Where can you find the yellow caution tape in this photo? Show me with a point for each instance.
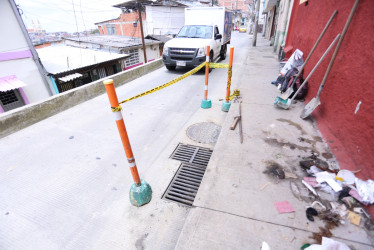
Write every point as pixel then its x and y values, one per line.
pixel 191 72
pixel 218 65
pixel 116 109
pixel 235 94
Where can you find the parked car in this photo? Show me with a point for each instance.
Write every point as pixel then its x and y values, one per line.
pixel 243 29
pixel 203 26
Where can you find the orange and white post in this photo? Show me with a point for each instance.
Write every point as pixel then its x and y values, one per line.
pixel 206 103
pixel 226 103
pixel 140 192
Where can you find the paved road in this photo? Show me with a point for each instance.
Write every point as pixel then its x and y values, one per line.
pixel 64 181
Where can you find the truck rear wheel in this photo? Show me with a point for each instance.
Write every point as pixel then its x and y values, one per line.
pixel 170 67
pixel 223 52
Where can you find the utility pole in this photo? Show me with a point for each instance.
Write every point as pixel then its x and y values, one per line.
pixel 256 23
pixel 141 30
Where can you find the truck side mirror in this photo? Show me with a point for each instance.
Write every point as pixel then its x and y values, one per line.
pixel 218 36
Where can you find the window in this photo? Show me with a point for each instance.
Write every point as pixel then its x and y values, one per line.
pixel 111 29
pixel 134 57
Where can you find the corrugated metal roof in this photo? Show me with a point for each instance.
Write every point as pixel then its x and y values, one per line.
pixel 10 82
pixel 113 41
pixel 70 77
pixel 60 58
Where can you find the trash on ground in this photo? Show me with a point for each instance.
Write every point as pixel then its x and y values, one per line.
pixel 310 213
pixel 347 176
pixel 365 190
pixel 284 207
pixel 265 246
pixel 355 195
pixel 264 186
pixel 274 169
pixel 328 244
pixel 354 218
pixel 318 203
pixel 313 170
pixel 311 181
pixel 290 175
pixel 310 188
pixel 295 190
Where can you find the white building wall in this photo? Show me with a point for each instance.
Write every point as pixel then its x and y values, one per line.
pixel 153 52
pixel 162 20
pixel 13 40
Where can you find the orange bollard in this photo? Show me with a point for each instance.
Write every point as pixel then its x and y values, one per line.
pixel 206 103
pixel 226 104
pixel 140 192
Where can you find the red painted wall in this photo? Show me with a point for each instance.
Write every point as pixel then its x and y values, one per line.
pixel 349 135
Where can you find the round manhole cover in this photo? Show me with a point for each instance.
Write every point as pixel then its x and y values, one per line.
pixel 205 132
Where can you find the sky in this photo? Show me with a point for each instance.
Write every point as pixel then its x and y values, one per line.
pixel 58 15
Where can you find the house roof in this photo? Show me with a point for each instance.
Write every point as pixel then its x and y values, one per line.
pixel 114 41
pixel 133 4
pixel 60 58
pixel 162 38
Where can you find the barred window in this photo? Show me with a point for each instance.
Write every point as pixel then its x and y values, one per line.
pixel 134 57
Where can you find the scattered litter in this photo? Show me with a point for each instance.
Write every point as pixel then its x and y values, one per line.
pixel 71 137
pixel 311 181
pixel 295 190
pixel 334 185
pixel 349 201
pixel 318 203
pixel 313 170
pixel 274 169
pixel 331 217
pixel 264 186
pixel 284 207
pixel 365 190
pixel 355 195
pixel 290 175
pixel 354 218
pixel 265 246
pixel 344 193
pixel 361 210
pixel 330 179
pixel 347 176
pixel 310 212
pixel 310 187
pixel 339 209
pixel 328 244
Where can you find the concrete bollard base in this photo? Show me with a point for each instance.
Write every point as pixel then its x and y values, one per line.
pixel 140 195
pixel 206 104
pixel 226 106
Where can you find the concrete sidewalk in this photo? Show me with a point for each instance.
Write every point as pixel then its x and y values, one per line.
pixel 234 207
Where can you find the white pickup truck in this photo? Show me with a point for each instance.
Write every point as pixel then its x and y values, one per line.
pixel 203 26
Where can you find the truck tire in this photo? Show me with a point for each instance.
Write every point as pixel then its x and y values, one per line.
pixel 170 67
pixel 223 52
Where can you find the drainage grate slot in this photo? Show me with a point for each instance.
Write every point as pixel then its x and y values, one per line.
pixel 192 154
pixel 185 184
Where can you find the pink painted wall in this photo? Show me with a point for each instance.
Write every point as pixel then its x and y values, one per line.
pixel 349 135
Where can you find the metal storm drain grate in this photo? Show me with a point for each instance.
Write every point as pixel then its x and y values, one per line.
pixel 183 188
pixel 192 154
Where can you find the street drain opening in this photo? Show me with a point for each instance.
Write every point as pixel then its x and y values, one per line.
pixel 192 154
pixel 185 184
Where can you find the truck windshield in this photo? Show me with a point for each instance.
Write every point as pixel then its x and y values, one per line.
pixel 196 31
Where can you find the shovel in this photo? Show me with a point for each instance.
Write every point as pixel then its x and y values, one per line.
pixel 289 91
pixel 315 102
pixel 286 103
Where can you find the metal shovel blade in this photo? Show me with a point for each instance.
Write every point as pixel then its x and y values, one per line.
pixel 310 107
pixel 287 93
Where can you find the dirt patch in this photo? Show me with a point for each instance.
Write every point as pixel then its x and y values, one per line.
pixel 274 169
pixel 327 155
pixel 275 142
pixel 296 125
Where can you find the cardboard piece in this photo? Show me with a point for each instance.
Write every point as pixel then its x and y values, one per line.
pixel 354 218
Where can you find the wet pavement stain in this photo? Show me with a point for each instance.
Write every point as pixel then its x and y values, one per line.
pixel 296 125
pixel 140 242
pixel 275 142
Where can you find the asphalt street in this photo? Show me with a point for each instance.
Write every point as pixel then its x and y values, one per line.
pixel 65 180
